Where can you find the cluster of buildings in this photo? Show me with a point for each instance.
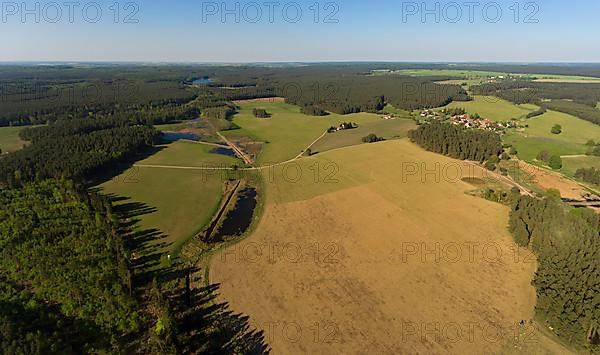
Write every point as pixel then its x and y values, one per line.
pixel 469 121
pixel 342 127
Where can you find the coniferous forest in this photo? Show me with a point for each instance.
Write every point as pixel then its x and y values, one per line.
pixel 457 142
pixel 567 245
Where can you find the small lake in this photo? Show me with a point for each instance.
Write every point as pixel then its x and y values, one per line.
pixel 223 151
pixel 239 219
pixel 176 136
pixel 202 81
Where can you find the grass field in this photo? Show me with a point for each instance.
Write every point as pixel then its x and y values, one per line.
pixel 493 108
pixel 537 137
pixel 388 129
pixel 341 257
pixel 185 200
pixel 9 139
pixel 287 132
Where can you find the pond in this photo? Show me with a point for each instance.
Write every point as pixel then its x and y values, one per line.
pixel 202 81
pixel 176 136
pixel 223 151
pixel 239 219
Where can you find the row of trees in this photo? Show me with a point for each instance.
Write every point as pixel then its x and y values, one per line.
pixel 457 142
pixel 567 244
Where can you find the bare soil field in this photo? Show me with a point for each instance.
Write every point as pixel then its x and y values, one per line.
pixel 377 249
pixel 550 180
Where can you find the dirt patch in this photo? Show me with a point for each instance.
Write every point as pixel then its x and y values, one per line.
pixel 546 179
pixel 477 182
pixel 391 264
pixel 263 99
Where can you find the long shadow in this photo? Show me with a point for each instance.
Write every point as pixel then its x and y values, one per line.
pixel 203 324
pixel 104 174
pixel 206 324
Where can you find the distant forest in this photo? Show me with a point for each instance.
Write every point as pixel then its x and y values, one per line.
pixel 33 95
pixel 576 99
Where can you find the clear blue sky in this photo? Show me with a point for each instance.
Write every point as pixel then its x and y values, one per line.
pixel 172 30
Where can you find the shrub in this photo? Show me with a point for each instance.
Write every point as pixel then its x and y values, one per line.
pixel 260 113
pixel 555 162
pixel 544 156
pixel 556 129
pixel 371 138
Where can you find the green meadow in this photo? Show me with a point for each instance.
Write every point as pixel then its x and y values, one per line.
pixel 494 108
pixel 185 200
pixel 287 132
pixel 571 164
pixel 387 129
pixel 9 139
pixel 537 136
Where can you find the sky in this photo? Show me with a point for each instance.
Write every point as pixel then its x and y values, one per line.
pixel 300 31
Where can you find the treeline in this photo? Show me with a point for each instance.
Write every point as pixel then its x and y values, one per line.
pixel 75 149
pixel 542 110
pixel 33 101
pixel 575 99
pixel 352 94
pixel 583 111
pixel 527 91
pixel 567 244
pixel 590 175
pixel 457 142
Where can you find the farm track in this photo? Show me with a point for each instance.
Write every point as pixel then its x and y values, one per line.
pixel 240 153
pixel 251 168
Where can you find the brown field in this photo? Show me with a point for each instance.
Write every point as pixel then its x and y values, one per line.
pixel 363 257
pixel 264 99
pixel 546 179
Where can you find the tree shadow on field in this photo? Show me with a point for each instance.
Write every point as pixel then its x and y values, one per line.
pixel 206 324
pixel 202 324
pixel 107 173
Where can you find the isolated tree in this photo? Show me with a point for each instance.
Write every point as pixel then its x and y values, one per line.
pixel 556 129
pixel 544 156
pixel 555 162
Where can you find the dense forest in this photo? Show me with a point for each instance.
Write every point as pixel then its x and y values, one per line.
pixel 567 244
pixel 457 142
pixel 70 284
pixel 75 149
